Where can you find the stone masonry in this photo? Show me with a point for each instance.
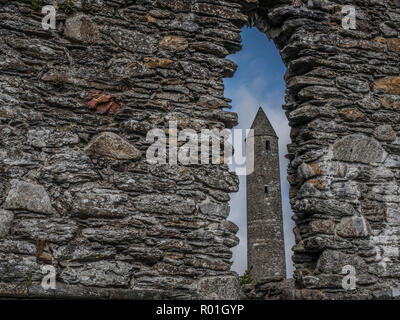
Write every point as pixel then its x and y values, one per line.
pixel 265 241
pixel 77 102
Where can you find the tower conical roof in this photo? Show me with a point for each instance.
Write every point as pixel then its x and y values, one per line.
pixel 262 126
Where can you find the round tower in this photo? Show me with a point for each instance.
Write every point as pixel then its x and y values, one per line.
pixel 265 241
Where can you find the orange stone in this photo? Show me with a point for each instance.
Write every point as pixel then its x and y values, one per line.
pixel 293 179
pixel 174 43
pixel 351 114
pixel 380 39
pixel 317 183
pixel 151 19
pixel 394 45
pixel 323 226
pixel 390 85
pixel 316 168
pixel 45 257
pixel 154 63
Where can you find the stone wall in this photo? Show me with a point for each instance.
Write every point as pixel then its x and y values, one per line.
pixel 342 103
pixel 76 192
pixel 76 104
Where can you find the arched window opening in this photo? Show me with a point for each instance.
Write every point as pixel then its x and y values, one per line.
pixel 259 81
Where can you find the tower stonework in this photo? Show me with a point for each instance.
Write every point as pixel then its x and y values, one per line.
pixel 265 242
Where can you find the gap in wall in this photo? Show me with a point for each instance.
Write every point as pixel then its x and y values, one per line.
pixel 259 82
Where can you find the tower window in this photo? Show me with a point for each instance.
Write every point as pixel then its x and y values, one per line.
pixel 267 145
pixel 266 190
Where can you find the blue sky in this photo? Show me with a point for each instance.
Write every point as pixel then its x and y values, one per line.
pixel 259 82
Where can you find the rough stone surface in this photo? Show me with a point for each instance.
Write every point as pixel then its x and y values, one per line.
pixel 173 43
pixel 99 274
pixel 165 204
pixel 353 227
pixel 385 133
pixel 160 231
pixel 265 241
pixel 57 230
pixel 358 148
pixel 6 219
pixel 215 288
pixel 28 196
pixel 109 144
pixel 81 28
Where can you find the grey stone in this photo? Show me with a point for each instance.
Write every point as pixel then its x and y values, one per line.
pixel 359 148
pixel 322 206
pixel 385 133
pixel 308 190
pixel 77 253
pixel 114 235
pixel 81 28
pixel 219 288
pixel 165 204
pixel 265 242
pixel 70 168
pixel 50 138
pixel 229 226
pixel 28 196
pixel 57 230
pixel 16 268
pixel 99 274
pixel 6 220
pixel 147 255
pixel 18 247
pixel 333 261
pixel 353 84
pixel 111 145
pixel 211 208
pixel 355 226
pixel 133 41
pixel 100 203
pixel 218 179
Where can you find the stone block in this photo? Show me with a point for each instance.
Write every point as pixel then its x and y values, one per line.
pixel 6 220
pixel 219 288
pixel 174 43
pixel 359 148
pixel 353 227
pixel 108 144
pixel 28 196
pixel 80 27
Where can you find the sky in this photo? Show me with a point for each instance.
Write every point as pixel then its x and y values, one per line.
pixel 259 82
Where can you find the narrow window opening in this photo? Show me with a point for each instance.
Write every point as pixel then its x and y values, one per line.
pixel 259 82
